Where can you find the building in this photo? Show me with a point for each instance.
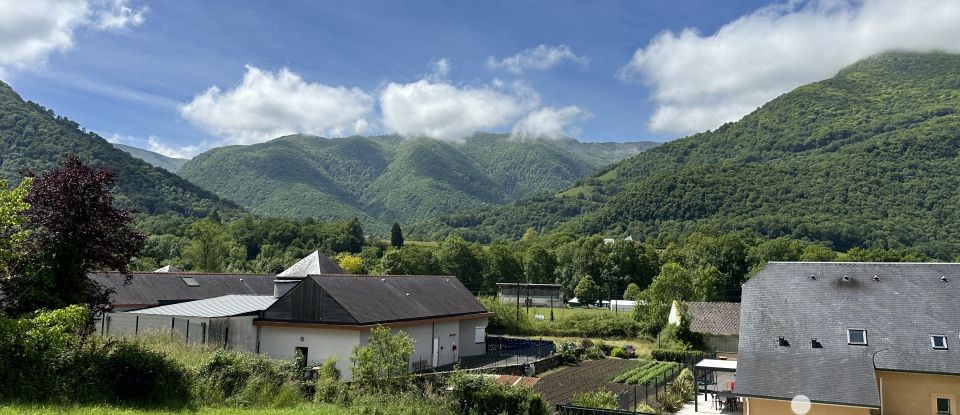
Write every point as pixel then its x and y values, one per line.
pixel 853 338
pixel 530 295
pixel 718 323
pixel 326 316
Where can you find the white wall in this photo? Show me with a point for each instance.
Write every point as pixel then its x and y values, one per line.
pixel 449 334
pixel 281 343
pixel 468 340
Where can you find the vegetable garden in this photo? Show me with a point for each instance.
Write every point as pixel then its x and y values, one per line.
pixel 648 372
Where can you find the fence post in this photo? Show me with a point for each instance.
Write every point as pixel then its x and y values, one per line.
pixel 136 326
pixel 187 337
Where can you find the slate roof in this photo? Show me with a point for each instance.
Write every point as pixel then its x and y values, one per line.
pixel 148 289
pixel 365 299
pixel 224 306
pixel 716 318
pixel 900 310
pixel 313 264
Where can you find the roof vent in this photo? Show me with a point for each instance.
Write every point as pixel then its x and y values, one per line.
pixel 408 294
pixel 846 278
pixel 876 278
pixel 383 280
pixel 782 342
pixel 944 279
pixel 813 277
pixel 815 344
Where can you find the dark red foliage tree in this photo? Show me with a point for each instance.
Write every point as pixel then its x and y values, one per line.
pixel 74 229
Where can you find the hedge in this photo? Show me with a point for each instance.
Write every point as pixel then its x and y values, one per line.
pixel 679 356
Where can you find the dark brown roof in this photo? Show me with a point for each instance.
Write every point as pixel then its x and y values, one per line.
pixel 721 319
pixel 150 289
pixel 365 299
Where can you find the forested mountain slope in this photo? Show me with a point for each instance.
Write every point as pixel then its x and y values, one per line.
pixel 387 178
pixel 34 138
pixel 866 158
pixel 170 164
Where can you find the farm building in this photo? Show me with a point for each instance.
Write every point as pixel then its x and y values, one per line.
pixel 854 338
pixel 324 316
pixel 532 295
pixel 717 322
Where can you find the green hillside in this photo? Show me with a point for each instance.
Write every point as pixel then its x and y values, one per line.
pixel 387 178
pixel 34 138
pixel 170 164
pixel 866 158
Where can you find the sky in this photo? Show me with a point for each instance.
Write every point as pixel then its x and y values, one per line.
pixel 179 76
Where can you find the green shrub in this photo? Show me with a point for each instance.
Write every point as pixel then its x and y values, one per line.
pixel 328 387
pixel 619 352
pixel 235 378
pixel 477 394
pixel 504 319
pixel 139 376
pixel 682 386
pixel 679 356
pixel 381 364
pixel 599 398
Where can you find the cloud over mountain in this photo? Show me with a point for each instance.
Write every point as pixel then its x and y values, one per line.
pixel 540 58
pixel 701 81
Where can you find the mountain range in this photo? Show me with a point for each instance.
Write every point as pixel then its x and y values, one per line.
pixel 385 179
pixel 170 164
pixel 867 158
pixel 34 138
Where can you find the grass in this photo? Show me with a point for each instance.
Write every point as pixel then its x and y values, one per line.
pixel 561 312
pixel 110 410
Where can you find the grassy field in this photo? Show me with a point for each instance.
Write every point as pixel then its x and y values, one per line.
pixel 109 410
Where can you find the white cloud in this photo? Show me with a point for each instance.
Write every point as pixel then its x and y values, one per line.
pixel 540 58
pixel 440 68
pixel 267 105
pixel 184 152
pixel 700 82
pixel 30 30
pixel 550 122
pixel 446 111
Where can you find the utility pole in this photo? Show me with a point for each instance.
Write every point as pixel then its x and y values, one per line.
pixel 518 303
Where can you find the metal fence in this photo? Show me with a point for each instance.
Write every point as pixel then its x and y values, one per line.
pixel 580 410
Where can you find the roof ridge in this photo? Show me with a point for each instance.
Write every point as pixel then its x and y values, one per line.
pixel 862 262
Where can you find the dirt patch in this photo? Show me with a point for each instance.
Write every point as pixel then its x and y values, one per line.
pixel 560 386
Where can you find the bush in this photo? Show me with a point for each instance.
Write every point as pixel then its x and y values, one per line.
pixel 481 395
pixel 504 319
pixel 682 386
pixel 594 353
pixel 235 378
pixel 381 365
pixel 679 356
pixel 600 398
pixel 328 387
pixel 139 376
pixel 619 352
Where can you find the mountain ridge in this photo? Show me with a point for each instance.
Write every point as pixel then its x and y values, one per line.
pixel 170 164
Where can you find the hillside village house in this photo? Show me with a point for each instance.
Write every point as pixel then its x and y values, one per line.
pixel 318 315
pixel 854 338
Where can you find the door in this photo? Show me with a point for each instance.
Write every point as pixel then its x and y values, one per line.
pixel 436 352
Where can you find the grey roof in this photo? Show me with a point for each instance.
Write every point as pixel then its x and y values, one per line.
pixel 224 306
pixel 313 264
pixel 168 268
pixel 149 289
pixel 900 310
pixel 717 318
pixel 364 299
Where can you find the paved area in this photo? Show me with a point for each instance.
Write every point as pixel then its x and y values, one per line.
pixel 706 408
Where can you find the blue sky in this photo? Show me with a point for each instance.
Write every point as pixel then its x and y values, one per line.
pixel 141 72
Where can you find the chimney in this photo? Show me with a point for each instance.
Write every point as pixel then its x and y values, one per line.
pixel 282 286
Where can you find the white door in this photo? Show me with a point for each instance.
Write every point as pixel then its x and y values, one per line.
pixel 436 351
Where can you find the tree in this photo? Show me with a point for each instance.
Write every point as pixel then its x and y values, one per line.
pixel 351 263
pixel 209 247
pixel 12 208
pixel 632 292
pixel 409 260
pixel 539 265
pixel 501 264
pixel 396 236
pixel 672 284
pixel 462 260
pixel 74 229
pixel 381 365
pixel 708 284
pixel 587 291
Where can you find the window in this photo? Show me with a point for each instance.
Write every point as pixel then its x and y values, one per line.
pixel 857 337
pixel 480 334
pixel 943 406
pixel 190 281
pixel 939 341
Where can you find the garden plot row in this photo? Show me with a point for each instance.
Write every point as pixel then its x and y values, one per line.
pixel 648 372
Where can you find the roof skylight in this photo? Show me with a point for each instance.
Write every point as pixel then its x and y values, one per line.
pixel 939 341
pixel 857 337
pixel 190 281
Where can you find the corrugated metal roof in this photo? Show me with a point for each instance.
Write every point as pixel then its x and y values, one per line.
pixel 225 306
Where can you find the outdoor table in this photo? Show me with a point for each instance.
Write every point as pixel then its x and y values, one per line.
pixel 728 397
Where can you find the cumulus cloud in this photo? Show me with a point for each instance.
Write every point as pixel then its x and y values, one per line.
pixel 446 111
pixel 183 152
pixel 701 81
pixel 267 105
pixel 31 30
pixel 550 122
pixel 540 58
